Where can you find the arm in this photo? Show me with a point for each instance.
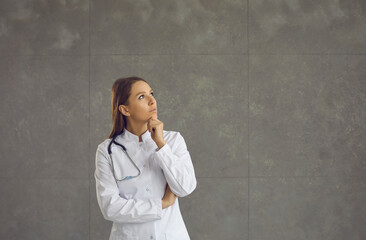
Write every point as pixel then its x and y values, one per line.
pixel 177 167
pixel 113 206
pixel 169 197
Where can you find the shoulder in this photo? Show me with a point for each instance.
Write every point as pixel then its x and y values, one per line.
pixel 103 146
pixel 171 135
pixel 173 138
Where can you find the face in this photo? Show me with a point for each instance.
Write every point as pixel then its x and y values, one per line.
pixel 141 102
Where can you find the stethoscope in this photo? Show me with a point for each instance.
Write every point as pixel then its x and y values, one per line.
pixel 125 151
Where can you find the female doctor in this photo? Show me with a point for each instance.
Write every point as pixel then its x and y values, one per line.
pixel 137 188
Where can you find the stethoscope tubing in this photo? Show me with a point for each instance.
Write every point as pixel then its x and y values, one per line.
pixel 125 151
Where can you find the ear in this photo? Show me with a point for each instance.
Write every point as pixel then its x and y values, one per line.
pixel 124 110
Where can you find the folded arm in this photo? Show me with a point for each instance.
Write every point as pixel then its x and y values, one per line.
pixel 177 167
pixel 112 205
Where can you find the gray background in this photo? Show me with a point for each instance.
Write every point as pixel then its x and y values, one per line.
pixel 269 95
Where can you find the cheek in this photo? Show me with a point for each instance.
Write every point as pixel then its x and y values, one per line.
pixel 141 109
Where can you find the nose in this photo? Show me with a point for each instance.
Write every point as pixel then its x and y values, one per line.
pixel 152 100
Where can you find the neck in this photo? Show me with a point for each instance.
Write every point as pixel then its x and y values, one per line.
pixel 137 129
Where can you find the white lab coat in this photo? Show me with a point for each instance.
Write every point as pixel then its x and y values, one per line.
pixel 135 205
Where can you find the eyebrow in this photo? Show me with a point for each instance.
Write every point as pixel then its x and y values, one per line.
pixel 142 92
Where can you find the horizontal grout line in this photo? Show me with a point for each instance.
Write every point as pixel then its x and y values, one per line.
pixel 199 54
pixel 286 177
pixel 239 54
pixel 44 178
pixel 92 179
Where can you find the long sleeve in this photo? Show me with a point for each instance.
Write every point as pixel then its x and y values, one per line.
pixel 112 205
pixel 177 167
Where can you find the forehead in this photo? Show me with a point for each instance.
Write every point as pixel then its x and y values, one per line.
pixel 140 86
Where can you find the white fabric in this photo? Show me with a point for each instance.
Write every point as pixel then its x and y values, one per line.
pixel 135 205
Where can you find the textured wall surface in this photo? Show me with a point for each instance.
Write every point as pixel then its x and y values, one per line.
pixel 270 97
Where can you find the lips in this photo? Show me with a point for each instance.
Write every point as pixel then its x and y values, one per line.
pixel 154 110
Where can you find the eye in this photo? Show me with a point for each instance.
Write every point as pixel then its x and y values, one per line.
pixel 143 95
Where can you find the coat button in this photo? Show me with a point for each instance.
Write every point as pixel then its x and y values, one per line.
pixel 147 189
pixel 151 237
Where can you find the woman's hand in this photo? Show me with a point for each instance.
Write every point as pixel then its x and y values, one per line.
pixel 155 126
pixel 169 198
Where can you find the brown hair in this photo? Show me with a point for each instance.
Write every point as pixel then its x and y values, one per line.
pixel 121 91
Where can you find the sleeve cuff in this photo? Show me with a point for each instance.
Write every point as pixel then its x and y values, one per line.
pixel 163 147
pixel 163 155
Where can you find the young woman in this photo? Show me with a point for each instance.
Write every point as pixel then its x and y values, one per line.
pixel 141 168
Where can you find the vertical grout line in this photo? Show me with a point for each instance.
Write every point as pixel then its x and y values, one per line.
pixel 89 127
pixel 248 129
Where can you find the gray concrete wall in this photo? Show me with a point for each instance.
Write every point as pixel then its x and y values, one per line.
pixel 269 95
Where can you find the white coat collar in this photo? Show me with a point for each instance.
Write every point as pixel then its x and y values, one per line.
pixel 132 137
